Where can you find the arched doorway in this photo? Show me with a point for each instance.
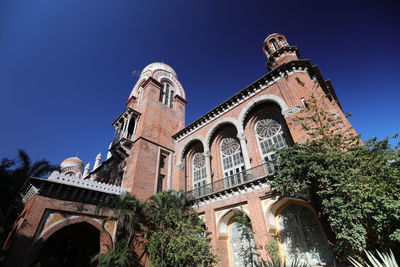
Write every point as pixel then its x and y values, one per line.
pixel 303 238
pixel 71 246
pixel 240 242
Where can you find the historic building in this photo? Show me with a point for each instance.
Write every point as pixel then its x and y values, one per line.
pixel 224 159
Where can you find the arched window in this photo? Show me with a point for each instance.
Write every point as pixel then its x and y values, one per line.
pixel 242 247
pixel 274 44
pixel 199 172
pixel 167 94
pixel 270 137
pixel 303 238
pixel 232 160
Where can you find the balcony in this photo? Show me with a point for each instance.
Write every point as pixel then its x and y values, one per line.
pixel 244 178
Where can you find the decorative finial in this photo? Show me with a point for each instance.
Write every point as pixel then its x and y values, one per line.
pixel 86 171
pixel 97 162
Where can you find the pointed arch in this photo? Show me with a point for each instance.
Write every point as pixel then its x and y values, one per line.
pixel 222 225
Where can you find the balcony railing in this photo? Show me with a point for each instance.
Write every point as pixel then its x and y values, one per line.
pixel 246 176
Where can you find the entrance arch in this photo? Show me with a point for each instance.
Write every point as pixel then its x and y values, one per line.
pixel 71 246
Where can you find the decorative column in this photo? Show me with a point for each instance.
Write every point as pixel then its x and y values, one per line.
pixel 207 155
pixel 117 134
pixel 243 144
pixel 125 128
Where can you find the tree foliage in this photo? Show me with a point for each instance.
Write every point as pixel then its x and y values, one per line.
pixel 13 174
pixel 166 226
pixel 354 187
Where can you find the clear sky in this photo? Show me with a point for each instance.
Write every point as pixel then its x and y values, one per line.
pixel 65 66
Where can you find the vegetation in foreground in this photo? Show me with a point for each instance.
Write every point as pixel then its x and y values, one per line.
pixel 13 174
pixel 166 227
pixel 354 187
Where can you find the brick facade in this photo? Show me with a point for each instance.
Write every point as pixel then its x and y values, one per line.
pixel 158 152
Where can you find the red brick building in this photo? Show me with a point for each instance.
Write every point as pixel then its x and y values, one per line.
pixel 224 159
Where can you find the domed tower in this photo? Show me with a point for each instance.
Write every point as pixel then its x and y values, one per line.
pixel 278 51
pixel 155 111
pixel 72 166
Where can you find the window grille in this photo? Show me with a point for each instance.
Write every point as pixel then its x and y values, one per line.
pixel 270 137
pixel 199 170
pixel 232 160
pixel 303 238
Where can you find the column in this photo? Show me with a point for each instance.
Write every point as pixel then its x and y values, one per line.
pixel 245 152
pixel 207 155
pixel 124 128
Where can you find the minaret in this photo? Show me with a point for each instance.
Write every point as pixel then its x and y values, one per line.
pixel 278 51
pixel 97 162
pixel 86 171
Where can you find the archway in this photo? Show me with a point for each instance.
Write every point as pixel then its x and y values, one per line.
pixel 71 246
pixel 236 227
pixel 302 237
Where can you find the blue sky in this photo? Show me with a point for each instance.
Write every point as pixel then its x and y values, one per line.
pixel 65 66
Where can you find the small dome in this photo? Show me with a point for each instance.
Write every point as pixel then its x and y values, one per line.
pixel 159 66
pixel 72 162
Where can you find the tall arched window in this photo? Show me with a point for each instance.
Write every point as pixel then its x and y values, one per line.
pixel 199 173
pixel 303 238
pixel 270 137
pixel 167 94
pixel 242 247
pixel 232 160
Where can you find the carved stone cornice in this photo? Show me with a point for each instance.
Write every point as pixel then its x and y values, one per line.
pixel 261 84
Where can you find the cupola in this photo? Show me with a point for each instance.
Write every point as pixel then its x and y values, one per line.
pixel 73 166
pixel 278 51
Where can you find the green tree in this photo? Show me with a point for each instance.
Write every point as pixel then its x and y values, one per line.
pixel 129 213
pixel 166 226
pixel 13 175
pixel 177 236
pixel 354 187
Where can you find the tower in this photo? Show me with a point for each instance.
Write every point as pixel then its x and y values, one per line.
pixel 278 51
pixel 155 111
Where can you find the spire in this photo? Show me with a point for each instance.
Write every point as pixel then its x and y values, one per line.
pixel 97 162
pixel 86 171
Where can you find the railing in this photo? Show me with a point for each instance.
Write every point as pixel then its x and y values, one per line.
pixel 252 174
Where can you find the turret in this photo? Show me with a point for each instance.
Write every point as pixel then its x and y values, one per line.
pixel 278 51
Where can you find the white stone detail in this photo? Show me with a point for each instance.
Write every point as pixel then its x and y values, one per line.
pixel 73 180
pixel 291 111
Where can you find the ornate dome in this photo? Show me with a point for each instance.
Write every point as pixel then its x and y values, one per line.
pixel 159 66
pixel 72 162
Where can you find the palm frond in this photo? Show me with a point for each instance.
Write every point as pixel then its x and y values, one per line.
pixel 23 159
pixel 384 260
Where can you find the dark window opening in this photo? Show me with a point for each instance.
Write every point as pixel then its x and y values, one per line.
pixel 160 183
pixel 131 128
